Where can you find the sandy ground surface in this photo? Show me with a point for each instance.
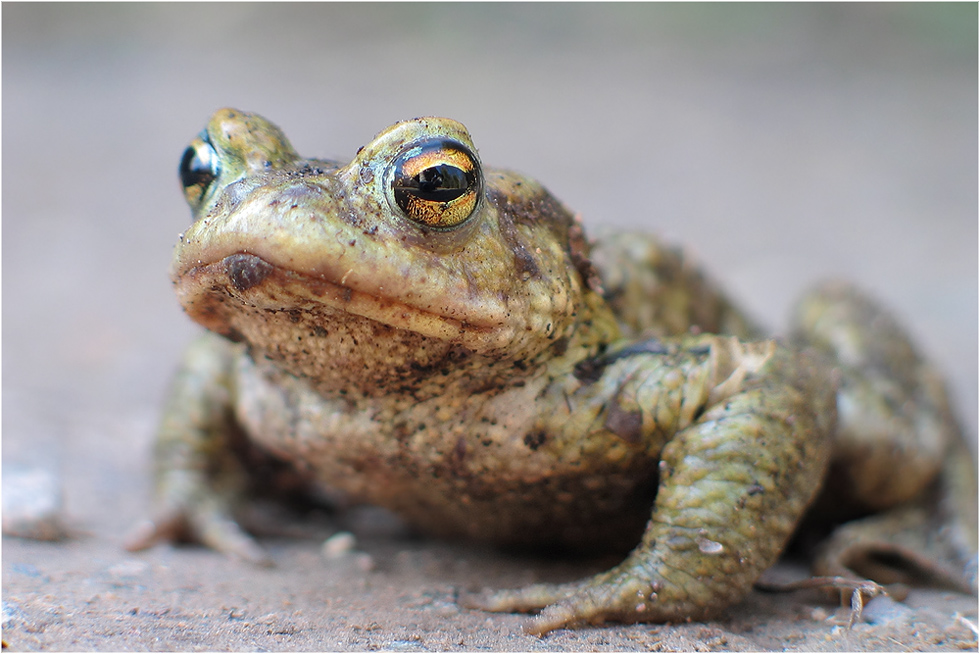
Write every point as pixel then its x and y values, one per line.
pixel 782 144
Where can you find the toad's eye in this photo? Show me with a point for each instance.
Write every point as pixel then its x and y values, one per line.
pixel 198 169
pixel 437 184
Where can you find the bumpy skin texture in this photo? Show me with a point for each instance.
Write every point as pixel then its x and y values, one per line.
pixel 440 339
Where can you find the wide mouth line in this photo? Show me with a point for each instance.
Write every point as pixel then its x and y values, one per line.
pixel 247 272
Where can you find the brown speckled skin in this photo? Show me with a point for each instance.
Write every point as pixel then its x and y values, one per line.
pixel 502 380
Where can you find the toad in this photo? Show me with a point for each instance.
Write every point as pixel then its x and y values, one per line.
pixel 440 338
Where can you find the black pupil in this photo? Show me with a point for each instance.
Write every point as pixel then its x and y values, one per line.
pixel 442 183
pixel 196 168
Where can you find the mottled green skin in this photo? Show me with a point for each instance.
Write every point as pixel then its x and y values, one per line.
pixel 503 380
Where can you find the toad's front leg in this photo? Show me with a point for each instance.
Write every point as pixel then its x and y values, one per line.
pixel 751 430
pixel 199 476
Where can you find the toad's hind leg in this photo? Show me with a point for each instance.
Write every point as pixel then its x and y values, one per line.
pixel 898 449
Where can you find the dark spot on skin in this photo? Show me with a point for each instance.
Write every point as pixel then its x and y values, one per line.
pixel 526 263
pixel 246 271
pixel 589 371
pixel 536 439
pixel 625 424
pixel 319 331
pixel 755 489
pixel 560 346
pixel 401 432
pixel 233 335
pixel 315 168
pixel 459 455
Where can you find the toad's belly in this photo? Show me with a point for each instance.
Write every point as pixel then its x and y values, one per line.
pixel 457 481
pixel 576 513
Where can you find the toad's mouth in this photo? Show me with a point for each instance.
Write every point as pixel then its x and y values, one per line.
pixel 224 294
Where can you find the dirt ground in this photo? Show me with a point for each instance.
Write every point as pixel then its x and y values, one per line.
pixel 781 144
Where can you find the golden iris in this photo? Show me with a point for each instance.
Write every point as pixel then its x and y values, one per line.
pixel 437 184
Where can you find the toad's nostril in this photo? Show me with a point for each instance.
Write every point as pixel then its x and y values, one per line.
pixel 246 270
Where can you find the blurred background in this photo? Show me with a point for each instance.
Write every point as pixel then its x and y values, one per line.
pixel 779 144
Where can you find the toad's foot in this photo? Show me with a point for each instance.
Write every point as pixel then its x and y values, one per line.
pixel 633 591
pixel 616 595
pixel 901 546
pixel 207 522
